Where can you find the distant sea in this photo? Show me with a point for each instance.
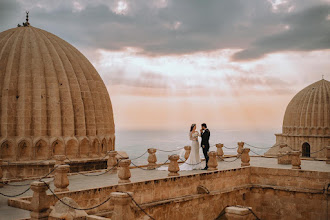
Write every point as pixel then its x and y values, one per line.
pixel 136 142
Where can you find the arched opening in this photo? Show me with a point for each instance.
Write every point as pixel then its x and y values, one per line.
pixel 104 147
pixel 84 148
pixel 95 148
pixel 58 148
pixel 72 149
pixel 41 151
pixel 7 150
pixel 23 151
pixel 306 150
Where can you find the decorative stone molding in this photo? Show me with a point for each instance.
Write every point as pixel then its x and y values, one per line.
pixel 112 162
pixel 173 167
pixel 152 159
pixel 122 206
pixel 245 158
pixel 213 163
pixel 59 159
pixel 124 173
pixel 61 180
pixel 240 148
pixel 39 204
pixel 220 151
pixel 295 159
pixel 187 152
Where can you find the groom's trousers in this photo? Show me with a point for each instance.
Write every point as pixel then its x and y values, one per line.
pixel 205 151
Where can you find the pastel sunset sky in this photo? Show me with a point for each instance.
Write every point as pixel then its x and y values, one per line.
pixel 169 63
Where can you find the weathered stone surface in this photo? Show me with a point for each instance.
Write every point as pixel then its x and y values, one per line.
pixel 122 209
pixel 173 167
pixel 152 159
pixel 239 213
pixel 124 173
pixel 39 205
pixel 240 148
pixel 61 180
pixel 245 157
pixel 295 159
pixel 112 162
pixel 61 211
pixel 219 151
pixel 213 163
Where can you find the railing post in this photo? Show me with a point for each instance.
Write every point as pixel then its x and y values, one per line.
pixel 152 159
pixel 213 163
pixel 283 156
pixel 61 180
pixel 245 158
pixel 173 167
pixel 328 154
pixel 220 151
pixel 112 162
pixel 124 173
pixel 59 159
pixel 122 206
pixel 1 174
pixel 187 152
pixel 295 159
pixel 39 205
pixel 240 148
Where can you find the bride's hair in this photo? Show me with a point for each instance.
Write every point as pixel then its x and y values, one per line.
pixel 192 127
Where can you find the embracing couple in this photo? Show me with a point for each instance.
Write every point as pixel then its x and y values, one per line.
pixel 194 162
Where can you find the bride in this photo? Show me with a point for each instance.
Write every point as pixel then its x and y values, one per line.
pixel 194 161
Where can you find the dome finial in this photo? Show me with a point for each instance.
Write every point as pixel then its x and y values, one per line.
pixel 25 24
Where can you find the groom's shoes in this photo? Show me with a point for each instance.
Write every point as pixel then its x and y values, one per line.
pixel 205 168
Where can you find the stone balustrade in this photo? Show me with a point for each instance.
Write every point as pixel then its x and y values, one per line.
pixel 173 167
pixel 213 163
pixel 152 159
pixel 39 206
pixel 240 148
pixel 220 151
pixel 122 206
pixel 61 180
pixel 124 173
pixel 112 162
pixel 295 159
pixel 59 159
pixel 245 157
pixel 187 152
pixel 1 174
pixel 328 154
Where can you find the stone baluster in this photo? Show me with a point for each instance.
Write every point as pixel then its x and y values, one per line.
pixel 173 168
pixel 61 180
pixel 59 159
pixel 220 151
pixel 152 159
pixel 240 148
pixel 39 205
pixel 1 174
pixel 295 159
pixel 112 162
pixel 213 163
pixel 187 152
pixel 238 213
pixel 328 154
pixel 245 158
pixel 124 173
pixel 122 209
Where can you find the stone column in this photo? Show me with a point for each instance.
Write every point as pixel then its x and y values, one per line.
pixel 238 213
pixel 245 158
pixel 173 168
pixel 213 163
pixel 122 206
pixel 39 204
pixel 187 152
pixel 152 159
pixel 220 151
pixel 112 162
pixel 1 174
pixel 240 148
pixel 124 173
pixel 295 159
pixel 328 154
pixel 59 159
pixel 61 180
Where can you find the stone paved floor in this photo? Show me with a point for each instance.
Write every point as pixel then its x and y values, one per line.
pixel 82 182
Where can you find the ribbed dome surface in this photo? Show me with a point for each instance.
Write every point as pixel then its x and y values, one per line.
pixel 308 113
pixel 49 89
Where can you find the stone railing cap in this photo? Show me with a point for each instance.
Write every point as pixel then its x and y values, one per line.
pixel 238 210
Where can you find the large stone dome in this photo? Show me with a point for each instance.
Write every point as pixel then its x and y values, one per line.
pixel 52 99
pixel 308 113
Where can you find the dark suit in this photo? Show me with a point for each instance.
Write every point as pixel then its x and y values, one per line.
pixel 205 142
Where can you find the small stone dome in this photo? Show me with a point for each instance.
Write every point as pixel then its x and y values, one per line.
pixel 52 99
pixel 308 113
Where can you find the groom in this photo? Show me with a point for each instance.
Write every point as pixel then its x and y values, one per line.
pixel 205 134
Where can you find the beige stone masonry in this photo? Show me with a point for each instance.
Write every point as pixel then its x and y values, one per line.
pixel 213 163
pixel 245 157
pixel 61 211
pixel 238 213
pixel 295 159
pixel 173 167
pixel 1 174
pixel 39 204
pixel 124 173
pixel 122 209
pixel 240 148
pixel 220 151
pixel 61 180
pixel 328 155
pixel 152 159
pixel 112 162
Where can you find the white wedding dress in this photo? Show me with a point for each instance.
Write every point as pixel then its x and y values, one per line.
pixel 194 161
